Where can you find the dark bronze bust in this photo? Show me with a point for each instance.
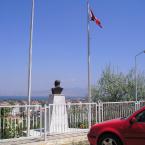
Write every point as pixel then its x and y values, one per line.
pixel 57 89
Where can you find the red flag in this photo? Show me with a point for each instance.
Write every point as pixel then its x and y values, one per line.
pixel 96 20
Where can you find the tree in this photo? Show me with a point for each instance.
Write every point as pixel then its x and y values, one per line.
pixel 114 86
pixel 10 127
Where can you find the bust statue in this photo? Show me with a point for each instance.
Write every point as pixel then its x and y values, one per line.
pixel 57 89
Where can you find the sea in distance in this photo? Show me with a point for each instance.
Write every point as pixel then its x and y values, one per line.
pixel 39 98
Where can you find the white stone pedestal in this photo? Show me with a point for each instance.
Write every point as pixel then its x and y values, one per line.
pixel 57 115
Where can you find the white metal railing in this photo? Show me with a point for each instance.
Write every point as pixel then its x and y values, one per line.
pixel 111 110
pixel 59 118
pixel 78 117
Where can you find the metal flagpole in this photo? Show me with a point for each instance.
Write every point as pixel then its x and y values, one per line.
pixel 88 47
pixel 136 85
pixel 30 65
pixel 30 54
pixel 89 74
pixel 135 80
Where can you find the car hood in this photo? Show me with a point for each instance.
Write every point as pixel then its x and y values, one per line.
pixel 113 122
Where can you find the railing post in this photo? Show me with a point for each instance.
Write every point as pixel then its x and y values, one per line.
pixel 137 105
pixel 102 111
pixel 99 110
pixel 96 113
pixel 40 120
pixel 28 120
pixel 0 125
pixel 89 115
pixel 49 110
pixel 45 122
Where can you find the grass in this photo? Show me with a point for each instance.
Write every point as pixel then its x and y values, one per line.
pixel 81 143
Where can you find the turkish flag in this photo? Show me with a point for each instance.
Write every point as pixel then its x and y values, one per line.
pixel 96 20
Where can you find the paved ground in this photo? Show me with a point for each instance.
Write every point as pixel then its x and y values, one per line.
pixel 69 139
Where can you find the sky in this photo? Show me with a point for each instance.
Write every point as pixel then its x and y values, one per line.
pixel 60 43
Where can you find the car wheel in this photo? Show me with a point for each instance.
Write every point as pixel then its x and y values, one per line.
pixel 109 139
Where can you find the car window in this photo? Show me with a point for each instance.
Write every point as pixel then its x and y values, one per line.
pixel 140 117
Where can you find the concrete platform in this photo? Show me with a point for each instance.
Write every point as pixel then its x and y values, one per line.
pixel 64 139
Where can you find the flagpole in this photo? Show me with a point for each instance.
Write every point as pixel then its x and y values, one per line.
pixel 30 66
pixel 88 47
pixel 89 68
pixel 30 54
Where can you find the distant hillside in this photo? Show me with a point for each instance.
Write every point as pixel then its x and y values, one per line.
pixel 67 92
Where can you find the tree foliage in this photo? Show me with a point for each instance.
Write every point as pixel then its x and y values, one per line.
pixel 117 86
pixel 9 126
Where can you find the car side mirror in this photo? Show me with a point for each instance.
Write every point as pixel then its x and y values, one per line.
pixel 133 120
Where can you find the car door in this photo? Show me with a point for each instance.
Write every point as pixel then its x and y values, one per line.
pixel 135 133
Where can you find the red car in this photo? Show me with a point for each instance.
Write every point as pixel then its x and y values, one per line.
pixel 123 131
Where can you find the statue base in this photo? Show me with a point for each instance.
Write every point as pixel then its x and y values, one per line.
pixel 57 114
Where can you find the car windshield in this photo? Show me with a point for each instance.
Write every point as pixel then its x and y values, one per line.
pixel 126 117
